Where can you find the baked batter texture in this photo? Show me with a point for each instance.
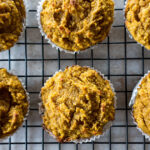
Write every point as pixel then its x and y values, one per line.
pixel 12 15
pixel 78 102
pixel 137 14
pixel 141 107
pixel 13 103
pixel 77 24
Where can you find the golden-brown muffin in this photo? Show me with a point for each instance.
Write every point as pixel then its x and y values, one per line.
pixel 141 107
pixel 12 15
pixel 77 24
pixel 137 14
pixel 78 102
pixel 13 103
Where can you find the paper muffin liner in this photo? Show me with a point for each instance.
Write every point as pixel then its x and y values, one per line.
pixel 129 34
pixel 13 72
pixel 82 140
pixel 39 9
pixel 132 100
pixel 23 27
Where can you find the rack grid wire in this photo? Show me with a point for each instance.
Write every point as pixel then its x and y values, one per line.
pixel 119 69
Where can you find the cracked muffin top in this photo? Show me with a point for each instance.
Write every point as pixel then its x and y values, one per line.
pixel 13 103
pixel 77 102
pixel 141 107
pixel 12 14
pixel 77 24
pixel 137 14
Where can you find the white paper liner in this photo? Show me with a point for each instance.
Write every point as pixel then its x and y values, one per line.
pixel 13 72
pixel 24 25
pixel 130 36
pixel 105 128
pixel 132 100
pixel 39 9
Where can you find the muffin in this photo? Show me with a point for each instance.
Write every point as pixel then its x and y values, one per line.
pixel 75 25
pixel 12 15
pixel 137 14
pixel 141 105
pixel 13 103
pixel 77 104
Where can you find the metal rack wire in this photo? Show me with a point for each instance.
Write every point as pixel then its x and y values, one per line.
pixel 126 109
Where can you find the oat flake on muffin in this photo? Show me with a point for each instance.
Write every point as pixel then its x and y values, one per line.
pixel 78 102
pixel 77 24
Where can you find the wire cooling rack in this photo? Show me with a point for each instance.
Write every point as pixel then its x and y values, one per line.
pixel 118 57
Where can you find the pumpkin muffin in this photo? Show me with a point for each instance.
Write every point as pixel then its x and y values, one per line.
pixel 13 103
pixel 12 15
pixel 141 107
pixel 77 103
pixel 76 24
pixel 137 14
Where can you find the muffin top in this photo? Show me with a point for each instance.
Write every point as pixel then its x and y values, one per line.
pixel 141 107
pixel 137 13
pixel 12 14
pixel 77 104
pixel 13 103
pixel 77 24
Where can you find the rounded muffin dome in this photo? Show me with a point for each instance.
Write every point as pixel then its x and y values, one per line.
pixel 137 14
pixel 78 102
pixel 76 24
pixel 13 103
pixel 141 106
pixel 12 14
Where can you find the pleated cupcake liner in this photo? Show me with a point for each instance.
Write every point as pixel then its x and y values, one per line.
pixel 81 140
pixel 13 72
pixel 39 9
pixel 132 101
